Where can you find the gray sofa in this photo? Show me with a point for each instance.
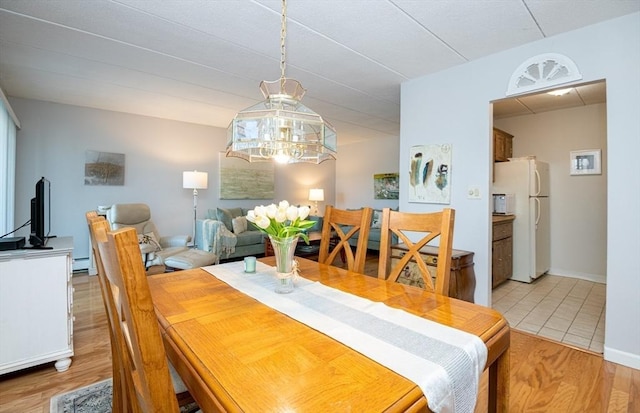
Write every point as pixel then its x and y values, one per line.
pixel 374 233
pixel 249 241
pixel 245 242
pixel 220 223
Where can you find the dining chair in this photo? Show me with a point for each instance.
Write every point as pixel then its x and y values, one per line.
pixel 430 226
pixel 341 226
pixel 146 378
pixel 119 401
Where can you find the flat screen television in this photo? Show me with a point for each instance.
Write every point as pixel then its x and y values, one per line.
pixel 41 215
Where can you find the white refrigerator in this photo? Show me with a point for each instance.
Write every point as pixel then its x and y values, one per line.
pixel 528 180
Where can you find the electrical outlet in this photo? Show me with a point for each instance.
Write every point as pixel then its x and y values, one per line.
pixel 473 192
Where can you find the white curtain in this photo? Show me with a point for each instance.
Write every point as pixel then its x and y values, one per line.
pixel 7 168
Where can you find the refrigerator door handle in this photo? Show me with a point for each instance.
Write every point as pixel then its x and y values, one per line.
pixel 537 211
pixel 538 185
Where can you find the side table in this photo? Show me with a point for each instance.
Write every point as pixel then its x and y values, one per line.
pixel 302 249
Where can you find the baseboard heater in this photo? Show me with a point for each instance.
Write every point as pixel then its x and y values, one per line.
pixel 80 264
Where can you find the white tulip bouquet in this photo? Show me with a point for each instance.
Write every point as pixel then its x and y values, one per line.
pixel 282 220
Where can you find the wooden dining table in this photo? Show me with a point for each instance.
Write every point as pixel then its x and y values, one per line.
pixel 236 354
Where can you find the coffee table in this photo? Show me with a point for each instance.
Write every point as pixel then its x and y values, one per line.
pixel 303 250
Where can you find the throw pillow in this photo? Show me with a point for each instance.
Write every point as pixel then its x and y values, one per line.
pixel 239 225
pixel 376 219
pixel 252 227
pixel 148 242
pixel 227 214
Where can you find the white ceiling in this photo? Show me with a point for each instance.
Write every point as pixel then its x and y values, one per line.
pixel 201 61
pixel 581 95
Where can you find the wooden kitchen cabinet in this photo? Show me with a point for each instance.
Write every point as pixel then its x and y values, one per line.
pixel 502 145
pixel 502 249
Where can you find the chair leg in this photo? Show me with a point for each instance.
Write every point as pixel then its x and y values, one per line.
pixel 118 390
pixel 184 399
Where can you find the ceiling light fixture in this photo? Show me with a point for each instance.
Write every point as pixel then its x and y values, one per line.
pixel 560 92
pixel 280 127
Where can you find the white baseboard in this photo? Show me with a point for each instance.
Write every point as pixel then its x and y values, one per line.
pixel 80 264
pixel 622 357
pixel 597 278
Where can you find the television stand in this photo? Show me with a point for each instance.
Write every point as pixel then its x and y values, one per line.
pixel 41 247
pixel 36 301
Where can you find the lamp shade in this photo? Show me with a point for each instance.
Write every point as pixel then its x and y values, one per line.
pixel 316 194
pixel 194 180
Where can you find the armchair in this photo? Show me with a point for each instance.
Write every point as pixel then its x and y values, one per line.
pixel 155 249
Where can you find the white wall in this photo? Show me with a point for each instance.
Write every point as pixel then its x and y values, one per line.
pixel 578 203
pixel 356 165
pixel 452 106
pixel 53 141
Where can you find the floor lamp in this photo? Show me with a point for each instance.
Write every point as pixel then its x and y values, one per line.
pixel 194 180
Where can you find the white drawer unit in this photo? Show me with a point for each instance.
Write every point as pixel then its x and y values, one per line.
pixel 36 307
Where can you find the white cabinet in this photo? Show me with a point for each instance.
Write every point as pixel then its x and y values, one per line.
pixel 36 307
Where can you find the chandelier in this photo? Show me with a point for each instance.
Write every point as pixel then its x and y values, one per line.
pixel 280 127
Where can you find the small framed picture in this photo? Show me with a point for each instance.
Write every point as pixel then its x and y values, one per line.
pixel 586 162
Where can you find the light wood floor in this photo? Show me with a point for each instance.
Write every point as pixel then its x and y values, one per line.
pixel 545 376
pixel 30 390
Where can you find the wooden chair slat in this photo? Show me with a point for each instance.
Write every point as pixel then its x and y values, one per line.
pixel 335 241
pixel 436 225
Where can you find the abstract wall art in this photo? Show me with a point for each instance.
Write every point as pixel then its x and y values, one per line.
pixel 103 168
pixel 586 162
pixel 240 179
pixel 430 174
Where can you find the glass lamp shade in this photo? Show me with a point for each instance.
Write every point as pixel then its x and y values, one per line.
pixel 281 128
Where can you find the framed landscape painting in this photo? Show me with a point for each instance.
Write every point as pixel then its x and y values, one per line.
pixel 386 186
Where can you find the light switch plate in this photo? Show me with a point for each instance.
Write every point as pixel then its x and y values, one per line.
pixel 473 192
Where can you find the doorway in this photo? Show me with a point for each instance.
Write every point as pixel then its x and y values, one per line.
pixel 550 128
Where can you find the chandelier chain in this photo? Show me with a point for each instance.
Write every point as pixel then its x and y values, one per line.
pixel 283 50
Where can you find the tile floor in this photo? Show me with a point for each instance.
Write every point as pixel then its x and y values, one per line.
pixel 564 309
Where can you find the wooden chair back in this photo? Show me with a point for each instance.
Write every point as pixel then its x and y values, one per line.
pixel 432 225
pixel 148 380
pixel 99 225
pixel 336 241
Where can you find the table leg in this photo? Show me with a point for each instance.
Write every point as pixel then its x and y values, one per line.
pixel 499 384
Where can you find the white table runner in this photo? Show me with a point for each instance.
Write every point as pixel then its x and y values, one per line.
pixel 444 362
